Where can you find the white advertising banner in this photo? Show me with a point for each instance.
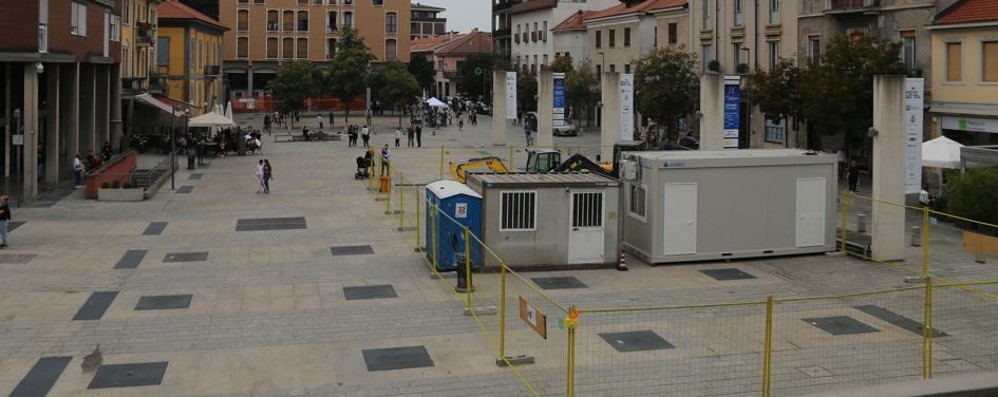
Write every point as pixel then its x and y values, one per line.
pixel 913 93
pixel 510 95
pixel 626 106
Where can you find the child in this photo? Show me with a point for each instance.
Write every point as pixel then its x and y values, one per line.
pixel 398 136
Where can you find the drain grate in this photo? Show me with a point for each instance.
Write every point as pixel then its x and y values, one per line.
pixel 155 228
pixel 131 259
pixel 559 282
pixel 41 377
pixel 186 257
pixel 840 325
pixel 727 274
pixel 128 375
pixel 185 189
pixel 16 259
pixel 95 306
pixel 351 250
pixel 164 302
pixel 369 292
pixel 397 358
pixel 258 224
pixel 636 341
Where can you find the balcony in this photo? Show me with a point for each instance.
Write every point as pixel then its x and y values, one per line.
pixel 501 32
pixel 452 74
pixel 852 6
pixel 212 70
pixel 145 33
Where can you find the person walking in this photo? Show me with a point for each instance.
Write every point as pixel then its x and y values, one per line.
pixel 841 157
pixel 419 135
pixel 410 135
pixel 77 171
pixel 398 136
pixel 268 175
pixel 332 120
pixel 460 124
pixel 365 134
pixel 386 155
pixel 4 220
pixel 318 120
pixel 853 176
pixel 259 176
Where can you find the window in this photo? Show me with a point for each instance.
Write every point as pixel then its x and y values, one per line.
pixel 599 39
pixel 78 20
pixel 738 13
pixel 673 33
pixel 627 37
pixel 775 131
pixel 737 48
pixel 774 11
pixel 518 211
pixel 331 21
pixel 303 2
pixel 774 53
pixel 636 206
pixel 705 57
pixel 259 1
pixel 115 28
pixel 330 48
pixel 243 24
pixel 954 61
pixel 163 51
pixel 627 68
pixel 599 72
pixel 611 38
pixel 302 21
pixel 242 47
pixel 377 2
pixel 348 2
pixel 317 2
pixel 126 12
pixel 391 23
pixel 587 209
pixel 347 19
pixel 545 63
pixel 989 56
pixel 272 48
pixel 43 37
pixel 613 68
pixel 272 21
pixel 908 49
pixel 706 15
pixel 391 49
pixel 545 31
pixel 814 49
pixel 288 21
pixel 191 53
pixel 288 48
pixel 302 50
pixel 654 43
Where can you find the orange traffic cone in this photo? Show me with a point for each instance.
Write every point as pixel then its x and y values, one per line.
pixel 622 265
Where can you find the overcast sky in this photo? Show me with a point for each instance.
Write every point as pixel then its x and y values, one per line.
pixel 463 15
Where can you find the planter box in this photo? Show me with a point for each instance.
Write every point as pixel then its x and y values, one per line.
pixel 112 194
pixel 979 243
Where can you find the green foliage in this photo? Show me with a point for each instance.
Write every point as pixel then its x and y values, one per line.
pixel 840 89
pixel 974 195
pixel 742 68
pixel 294 83
pixel 127 185
pixel 476 73
pixel 714 66
pixel 562 64
pixel 396 86
pixel 667 86
pixel 582 89
pixel 777 91
pixel 526 91
pixel 348 74
pixel 422 69
pixel 115 184
pixel 105 185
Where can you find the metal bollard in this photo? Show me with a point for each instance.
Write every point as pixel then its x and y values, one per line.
pixel 861 223
pixel 916 236
pixel 979 257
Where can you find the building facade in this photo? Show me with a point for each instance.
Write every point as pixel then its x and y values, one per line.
pixel 138 56
pixel 425 22
pixel 617 37
pixel 449 56
pixel 60 94
pixel 268 33
pixel 965 72
pixel 502 38
pixel 532 21
pixel 189 56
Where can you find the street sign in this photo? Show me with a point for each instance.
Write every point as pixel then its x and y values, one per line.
pixel 17 140
pixel 534 317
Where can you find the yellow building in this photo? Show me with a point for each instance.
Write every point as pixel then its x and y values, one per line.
pixel 965 72
pixel 138 51
pixel 189 56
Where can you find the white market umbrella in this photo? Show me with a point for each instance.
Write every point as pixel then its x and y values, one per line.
pixel 211 119
pixel 434 102
pixel 941 152
pixel 228 110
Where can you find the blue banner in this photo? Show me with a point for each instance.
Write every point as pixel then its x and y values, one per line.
pixel 732 101
pixel 559 92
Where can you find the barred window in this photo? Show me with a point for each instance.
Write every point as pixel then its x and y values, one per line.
pixel 519 211
pixel 637 205
pixel 587 209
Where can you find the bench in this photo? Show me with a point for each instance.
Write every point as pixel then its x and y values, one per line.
pixel 283 138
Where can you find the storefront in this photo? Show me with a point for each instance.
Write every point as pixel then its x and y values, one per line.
pixel 970 131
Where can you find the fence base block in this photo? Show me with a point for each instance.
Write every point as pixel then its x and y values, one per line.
pixel 914 280
pixel 419 249
pixel 380 199
pixel 408 229
pixel 393 212
pixel 480 311
pixel 441 276
pixel 522 359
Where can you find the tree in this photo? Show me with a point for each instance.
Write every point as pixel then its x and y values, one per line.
pixel 294 83
pixel 973 195
pixel 422 69
pixel 666 86
pixel 397 87
pixel 476 73
pixel 562 64
pixel 838 92
pixel 348 75
pixel 777 91
pixel 582 88
pixel 526 91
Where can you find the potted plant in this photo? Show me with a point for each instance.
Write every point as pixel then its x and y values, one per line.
pixel 714 66
pixel 972 195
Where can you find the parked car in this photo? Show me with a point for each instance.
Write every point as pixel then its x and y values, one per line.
pixel 483 108
pixel 566 130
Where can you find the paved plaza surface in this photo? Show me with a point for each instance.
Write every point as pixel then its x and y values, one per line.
pixel 222 291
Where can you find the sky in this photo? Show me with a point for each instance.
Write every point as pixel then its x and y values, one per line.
pixel 463 15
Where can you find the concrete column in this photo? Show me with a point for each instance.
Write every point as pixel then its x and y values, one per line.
pixel 545 103
pixel 249 81
pixel 8 113
pixel 102 114
pixel 888 176
pixel 114 80
pixel 499 120
pixel 52 144
pixel 30 150
pixel 72 109
pixel 88 108
pixel 711 111
pixel 610 127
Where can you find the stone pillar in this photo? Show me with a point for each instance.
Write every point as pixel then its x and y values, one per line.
pixel 610 127
pixel 88 109
pixel 711 111
pixel 114 78
pixel 73 116
pixel 888 176
pixel 499 120
pixel 102 114
pixel 29 151
pixel 8 113
pixel 249 82
pixel 54 110
pixel 545 104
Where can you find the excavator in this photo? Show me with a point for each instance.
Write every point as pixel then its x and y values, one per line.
pixel 547 160
pixel 491 163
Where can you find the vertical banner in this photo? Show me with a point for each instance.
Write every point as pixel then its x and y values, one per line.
pixel 913 92
pixel 510 95
pixel 732 104
pixel 626 106
pixel 558 107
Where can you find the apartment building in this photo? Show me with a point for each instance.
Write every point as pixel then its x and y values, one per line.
pixel 60 90
pixel 269 32
pixel 426 22
pixel 502 38
pixel 138 56
pixel 619 36
pixel 450 55
pixel 532 21
pixel 190 56
pixel 965 72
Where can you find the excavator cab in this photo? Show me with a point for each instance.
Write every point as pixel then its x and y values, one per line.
pixel 542 160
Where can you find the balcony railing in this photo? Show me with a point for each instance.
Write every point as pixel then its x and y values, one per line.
pixel 144 33
pixel 841 6
pixel 212 70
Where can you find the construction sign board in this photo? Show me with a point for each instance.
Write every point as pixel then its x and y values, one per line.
pixel 534 317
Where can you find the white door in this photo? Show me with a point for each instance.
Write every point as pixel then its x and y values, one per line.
pixel 585 235
pixel 810 220
pixel 680 214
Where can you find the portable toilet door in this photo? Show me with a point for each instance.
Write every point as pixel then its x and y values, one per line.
pixel 450 207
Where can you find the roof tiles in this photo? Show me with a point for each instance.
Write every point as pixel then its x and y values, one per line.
pixel 969 11
pixel 174 9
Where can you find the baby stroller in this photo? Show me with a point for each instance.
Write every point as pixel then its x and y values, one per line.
pixel 363 171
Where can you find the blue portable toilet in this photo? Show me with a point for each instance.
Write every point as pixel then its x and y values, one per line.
pixel 460 207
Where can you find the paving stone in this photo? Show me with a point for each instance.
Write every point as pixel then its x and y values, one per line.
pixel 128 375
pixel 636 341
pixel 351 250
pixel 16 259
pixel 200 256
pixel 155 228
pixel 816 372
pixel 185 189
pixel 95 306
pixel 14 225
pixel 900 321
pixel 258 224
pixel 397 358
pixel 369 292
pixel 727 274
pixel 840 325
pixel 559 282
pixel 131 259
pixel 195 176
pixel 163 302
pixel 41 377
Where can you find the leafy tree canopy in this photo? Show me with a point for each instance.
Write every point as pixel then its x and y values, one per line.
pixel 294 82
pixel 396 86
pixel 526 91
pixel 422 69
pixel 348 75
pixel 973 195
pixel 777 91
pixel 582 88
pixel 476 73
pixel 666 85
pixel 562 64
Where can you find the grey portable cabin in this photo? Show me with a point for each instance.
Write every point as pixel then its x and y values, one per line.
pixel 549 220
pixel 706 205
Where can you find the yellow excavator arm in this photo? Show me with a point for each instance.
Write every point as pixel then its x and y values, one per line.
pixel 492 163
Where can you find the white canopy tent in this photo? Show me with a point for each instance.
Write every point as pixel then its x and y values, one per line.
pixel 211 119
pixel 435 103
pixel 941 152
